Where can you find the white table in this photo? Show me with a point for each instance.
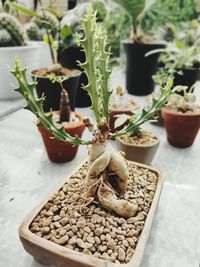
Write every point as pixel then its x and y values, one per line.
pixel 27 177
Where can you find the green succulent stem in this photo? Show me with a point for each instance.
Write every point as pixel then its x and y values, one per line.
pixel 26 89
pixel 146 115
pixel 96 66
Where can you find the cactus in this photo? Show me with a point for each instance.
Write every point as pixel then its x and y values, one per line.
pixel 33 32
pixel 13 33
pixel 5 38
pixel 50 23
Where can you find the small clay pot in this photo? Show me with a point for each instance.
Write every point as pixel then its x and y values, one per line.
pixel 59 151
pixel 139 153
pixel 181 128
pixel 118 111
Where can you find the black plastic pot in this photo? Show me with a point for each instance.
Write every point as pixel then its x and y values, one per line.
pixel 68 58
pixel 187 76
pixel 71 4
pixel 52 91
pixel 139 69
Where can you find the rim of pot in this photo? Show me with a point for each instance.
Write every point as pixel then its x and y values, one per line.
pixel 157 42
pixel 135 104
pixel 70 125
pixel 23 47
pixel 167 110
pixel 133 145
pixel 37 76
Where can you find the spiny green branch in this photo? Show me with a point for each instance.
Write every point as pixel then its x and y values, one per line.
pixel 26 89
pixel 104 72
pixel 96 66
pixel 146 115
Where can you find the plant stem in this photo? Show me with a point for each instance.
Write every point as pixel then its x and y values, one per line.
pixel 65 109
pixel 48 36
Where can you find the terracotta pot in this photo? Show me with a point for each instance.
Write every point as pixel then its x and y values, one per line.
pixel 181 128
pixel 118 111
pixel 59 151
pixel 139 153
pixel 47 252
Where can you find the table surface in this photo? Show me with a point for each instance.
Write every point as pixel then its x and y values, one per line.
pixel 27 177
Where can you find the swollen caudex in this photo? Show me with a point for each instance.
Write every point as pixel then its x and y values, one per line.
pixel 104 161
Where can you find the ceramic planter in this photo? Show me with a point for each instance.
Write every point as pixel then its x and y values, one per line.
pixel 139 69
pixel 44 54
pixel 28 56
pixel 139 153
pixel 52 91
pixel 48 252
pixel 188 77
pixel 59 151
pixel 68 58
pixel 181 128
pixel 119 111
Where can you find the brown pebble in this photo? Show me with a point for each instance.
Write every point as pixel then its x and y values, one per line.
pixel 111 244
pixel 81 223
pixel 121 255
pixel 102 248
pixel 45 230
pixel 64 221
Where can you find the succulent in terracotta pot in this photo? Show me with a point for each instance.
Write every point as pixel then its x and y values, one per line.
pixel 72 122
pixel 137 144
pixel 181 118
pixel 94 198
pixel 119 104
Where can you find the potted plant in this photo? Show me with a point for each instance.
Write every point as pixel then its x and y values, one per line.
pixel 139 69
pixel 76 225
pixel 69 53
pixel 13 43
pixel 141 145
pixel 36 32
pixel 120 104
pixel 72 122
pixel 52 91
pixel 181 118
pixel 181 57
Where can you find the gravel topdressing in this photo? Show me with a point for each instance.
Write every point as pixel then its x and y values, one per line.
pixel 145 138
pixel 71 221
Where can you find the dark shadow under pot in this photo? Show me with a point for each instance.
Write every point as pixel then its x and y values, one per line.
pixel 52 91
pixel 139 69
pixel 68 57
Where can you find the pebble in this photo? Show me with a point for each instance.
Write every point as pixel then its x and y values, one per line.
pixel 121 255
pixel 81 223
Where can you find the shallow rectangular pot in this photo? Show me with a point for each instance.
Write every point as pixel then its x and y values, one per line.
pixel 47 252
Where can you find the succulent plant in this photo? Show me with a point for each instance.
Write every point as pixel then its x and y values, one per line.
pixel 102 157
pixel 11 31
pixel 33 32
pixel 50 23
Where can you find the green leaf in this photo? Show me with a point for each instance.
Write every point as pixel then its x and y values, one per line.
pixel 133 7
pixel 65 32
pixel 24 10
